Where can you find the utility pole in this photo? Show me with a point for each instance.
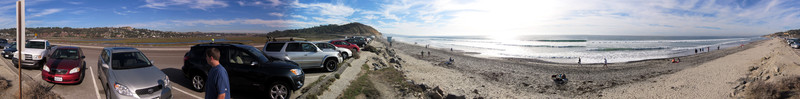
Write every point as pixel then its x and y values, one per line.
pixel 20 41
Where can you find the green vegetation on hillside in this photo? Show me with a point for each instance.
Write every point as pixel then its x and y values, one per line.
pixel 330 31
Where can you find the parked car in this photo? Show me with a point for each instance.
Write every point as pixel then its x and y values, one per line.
pixel 32 56
pixel 343 52
pixel 64 65
pixel 3 43
pixel 10 51
pixel 795 45
pixel 789 41
pixel 345 44
pixel 305 53
pixel 247 68
pixel 361 42
pixel 125 72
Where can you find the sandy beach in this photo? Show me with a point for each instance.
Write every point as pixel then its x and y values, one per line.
pixel 708 75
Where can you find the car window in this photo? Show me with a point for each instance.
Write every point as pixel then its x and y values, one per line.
pixel 39 45
pixel 274 47
pixel 104 56
pixel 294 47
pixel 308 47
pixel 241 57
pixel 323 45
pixel 128 60
pixel 66 54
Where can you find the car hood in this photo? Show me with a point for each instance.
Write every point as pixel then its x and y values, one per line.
pixel 33 51
pixel 137 78
pixel 63 63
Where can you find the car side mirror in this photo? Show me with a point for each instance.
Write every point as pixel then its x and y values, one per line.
pixel 253 63
pixel 151 61
pixel 104 65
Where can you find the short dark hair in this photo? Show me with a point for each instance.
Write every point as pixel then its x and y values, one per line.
pixel 213 53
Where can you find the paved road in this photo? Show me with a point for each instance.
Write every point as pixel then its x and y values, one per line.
pixel 169 61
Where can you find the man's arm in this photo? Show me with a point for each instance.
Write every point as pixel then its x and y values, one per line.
pixel 221 96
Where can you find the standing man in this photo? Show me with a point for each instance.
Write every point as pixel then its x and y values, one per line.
pixel 579 60
pixel 217 86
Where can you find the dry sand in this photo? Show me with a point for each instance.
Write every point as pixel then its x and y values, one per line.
pixel 530 78
pixel 713 79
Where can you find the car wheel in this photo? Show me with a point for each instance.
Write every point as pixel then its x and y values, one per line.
pixel 198 82
pixel 330 65
pixel 279 90
pixel 343 55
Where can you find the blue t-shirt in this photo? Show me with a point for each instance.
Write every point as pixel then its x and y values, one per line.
pixel 217 83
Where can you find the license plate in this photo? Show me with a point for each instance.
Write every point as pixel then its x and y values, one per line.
pixel 58 79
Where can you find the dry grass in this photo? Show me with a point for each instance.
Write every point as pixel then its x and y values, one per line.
pixel 39 91
pixel 786 88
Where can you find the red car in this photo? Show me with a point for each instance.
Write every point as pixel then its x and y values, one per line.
pixel 64 65
pixel 345 44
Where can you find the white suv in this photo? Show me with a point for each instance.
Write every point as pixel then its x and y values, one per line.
pixel 306 54
pixel 34 53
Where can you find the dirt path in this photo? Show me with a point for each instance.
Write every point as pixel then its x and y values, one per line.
pixel 347 76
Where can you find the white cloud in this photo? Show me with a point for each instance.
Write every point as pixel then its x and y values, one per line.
pixel 327 9
pixel 46 12
pixel 194 4
pixel 299 17
pixel 205 22
pixel 271 3
pixel 74 2
pixel 276 14
pixel 217 22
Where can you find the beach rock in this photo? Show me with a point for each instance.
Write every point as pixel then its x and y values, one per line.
pixel 478 97
pixel 433 95
pixel 438 90
pixel 475 91
pixel 451 96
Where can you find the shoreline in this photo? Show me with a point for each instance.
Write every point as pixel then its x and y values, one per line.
pixel 573 60
pixel 532 75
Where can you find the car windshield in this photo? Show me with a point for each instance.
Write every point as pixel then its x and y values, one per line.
pixel 13 46
pixel 128 60
pixel 66 54
pixel 259 55
pixel 39 45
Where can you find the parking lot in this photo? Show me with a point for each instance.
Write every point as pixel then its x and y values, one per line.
pixel 169 61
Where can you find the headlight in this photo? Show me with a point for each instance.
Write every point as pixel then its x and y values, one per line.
pixel 166 81
pixel 122 90
pixel 74 70
pixel 38 56
pixel 46 68
pixel 297 71
pixel 287 58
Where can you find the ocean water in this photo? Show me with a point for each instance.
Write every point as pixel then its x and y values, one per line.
pixel 590 48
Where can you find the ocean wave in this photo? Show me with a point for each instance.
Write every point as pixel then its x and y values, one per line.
pixel 670 41
pixel 550 46
pixel 627 49
pixel 561 40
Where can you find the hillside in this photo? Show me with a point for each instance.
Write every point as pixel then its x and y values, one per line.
pixel 97 32
pixel 790 33
pixel 328 31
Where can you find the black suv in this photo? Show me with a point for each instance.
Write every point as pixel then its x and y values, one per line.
pixel 248 69
pixel 361 42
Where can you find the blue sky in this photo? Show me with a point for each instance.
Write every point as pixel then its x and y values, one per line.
pixel 425 17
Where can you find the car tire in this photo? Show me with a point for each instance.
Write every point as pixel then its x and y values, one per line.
pixel 198 82
pixel 278 90
pixel 330 65
pixel 343 55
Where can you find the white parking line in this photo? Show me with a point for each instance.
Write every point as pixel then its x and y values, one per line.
pixel 95 83
pixel 187 93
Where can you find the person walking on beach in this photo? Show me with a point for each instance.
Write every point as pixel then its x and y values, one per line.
pixel 421 54
pixel 579 60
pixel 695 51
pixel 605 62
pixel 709 49
pixel 429 53
pixel 217 86
pixel 717 47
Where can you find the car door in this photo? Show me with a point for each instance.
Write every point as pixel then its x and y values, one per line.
pixel 315 55
pixel 102 71
pixel 297 54
pixel 241 65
